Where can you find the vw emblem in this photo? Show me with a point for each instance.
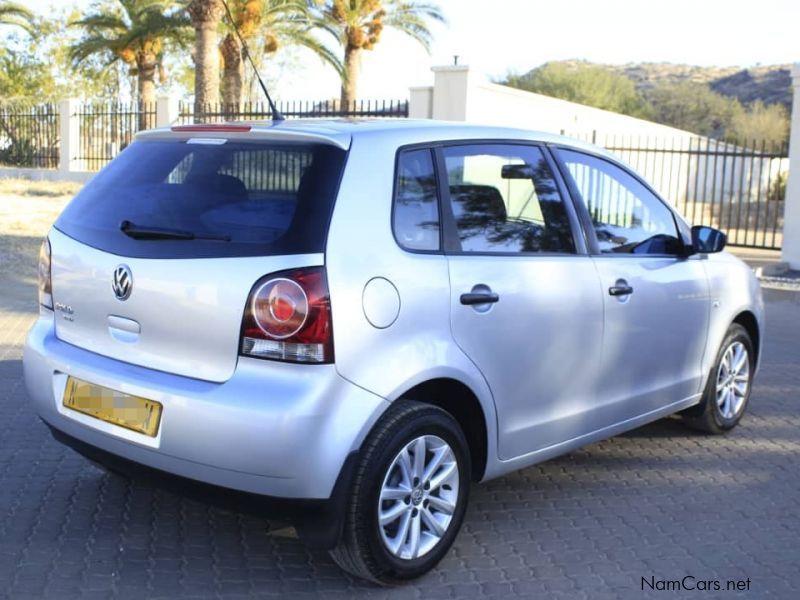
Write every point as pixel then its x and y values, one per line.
pixel 122 282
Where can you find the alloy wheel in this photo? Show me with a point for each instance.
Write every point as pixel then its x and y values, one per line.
pixel 418 497
pixel 733 380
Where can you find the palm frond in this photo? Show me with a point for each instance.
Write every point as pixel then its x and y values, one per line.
pixel 95 45
pixel 105 21
pixel 306 39
pixel 131 26
pixel 292 23
pixel 412 18
pixel 15 14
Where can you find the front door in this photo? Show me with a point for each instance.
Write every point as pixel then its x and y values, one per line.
pixel 526 301
pixel 656 301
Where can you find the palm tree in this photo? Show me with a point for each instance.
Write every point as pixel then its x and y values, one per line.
pixel 279 23
pixel 12 13
pixel 358 24
pixel 135 32
pixel 205 16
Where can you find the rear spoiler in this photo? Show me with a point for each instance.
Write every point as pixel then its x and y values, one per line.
pixel 282 131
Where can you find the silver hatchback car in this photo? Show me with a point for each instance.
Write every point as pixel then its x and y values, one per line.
pixel 347 322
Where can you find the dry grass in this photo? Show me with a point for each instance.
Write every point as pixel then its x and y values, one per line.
pixel 47 189
pixel 27 210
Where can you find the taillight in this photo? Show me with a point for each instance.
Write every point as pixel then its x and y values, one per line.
pixel 288 317
pixel 45 286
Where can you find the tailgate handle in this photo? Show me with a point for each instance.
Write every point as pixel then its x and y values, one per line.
pixel 123 330
pixel 124 324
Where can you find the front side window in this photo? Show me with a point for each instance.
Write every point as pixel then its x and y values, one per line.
pixel 505 200
pixel 416 209
pixel 626 216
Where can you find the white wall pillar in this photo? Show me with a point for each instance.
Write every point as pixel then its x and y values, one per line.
pixel 420 102
pixel 450 88
pixel 69 135
pixel 167 111
pixel 791 216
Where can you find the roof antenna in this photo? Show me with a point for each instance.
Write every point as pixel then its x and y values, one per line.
pixel 276 114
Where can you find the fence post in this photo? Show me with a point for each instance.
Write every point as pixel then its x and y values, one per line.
pixel 69 136
pixel 167 111
pixel 791 215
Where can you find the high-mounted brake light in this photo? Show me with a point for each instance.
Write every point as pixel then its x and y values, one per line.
pixel 288 317
pixel 210 127
pixel 45 275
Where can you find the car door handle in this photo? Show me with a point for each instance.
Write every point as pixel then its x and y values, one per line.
pixel 479 298
pixel 620 289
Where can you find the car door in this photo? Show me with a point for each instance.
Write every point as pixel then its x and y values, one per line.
pixel 526 301
pixel 656 298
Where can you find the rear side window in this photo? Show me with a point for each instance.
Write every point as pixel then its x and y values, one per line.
pixel 225 199
pixel 416 210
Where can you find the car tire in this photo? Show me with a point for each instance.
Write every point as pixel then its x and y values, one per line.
pixel 730 382
pixel 395 477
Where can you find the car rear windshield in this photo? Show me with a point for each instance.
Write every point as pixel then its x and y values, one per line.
pixel 202 198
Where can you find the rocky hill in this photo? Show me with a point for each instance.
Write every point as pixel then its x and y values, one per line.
pixel 770 84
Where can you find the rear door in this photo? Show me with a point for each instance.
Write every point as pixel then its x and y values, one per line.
pixel 153 261
pixel 526 302
pixel 656 301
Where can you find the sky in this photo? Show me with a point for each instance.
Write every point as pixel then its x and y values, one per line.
pixel 496 37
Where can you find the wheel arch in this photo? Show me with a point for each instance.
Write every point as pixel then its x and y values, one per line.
pixel 463 404
pixel 748 320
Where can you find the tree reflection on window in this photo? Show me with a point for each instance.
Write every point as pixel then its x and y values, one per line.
pixel 505 199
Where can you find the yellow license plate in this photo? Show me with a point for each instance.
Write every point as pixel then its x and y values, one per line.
pixel 130 412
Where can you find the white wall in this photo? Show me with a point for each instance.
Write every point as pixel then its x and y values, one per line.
pixel 791 219
pixel 502 105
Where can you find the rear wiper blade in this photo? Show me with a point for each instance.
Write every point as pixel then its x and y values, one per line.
pixel 147 232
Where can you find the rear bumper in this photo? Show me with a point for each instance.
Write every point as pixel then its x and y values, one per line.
pixel 273 429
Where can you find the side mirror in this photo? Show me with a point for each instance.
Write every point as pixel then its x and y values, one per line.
pixel 707 240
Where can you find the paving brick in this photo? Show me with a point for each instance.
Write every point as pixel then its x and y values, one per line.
pixel 661 501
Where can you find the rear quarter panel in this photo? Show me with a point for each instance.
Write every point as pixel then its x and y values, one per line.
pixel 418 345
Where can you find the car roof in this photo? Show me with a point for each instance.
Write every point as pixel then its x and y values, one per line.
pixel 342 132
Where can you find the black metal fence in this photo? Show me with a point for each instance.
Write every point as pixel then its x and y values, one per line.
pixel 291 109
pixel 29 135
pixel 261 171
pixel 736 186
pixel 106 128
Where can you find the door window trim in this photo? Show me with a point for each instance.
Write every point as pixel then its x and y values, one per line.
pixel 452 244
pixel 585 217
